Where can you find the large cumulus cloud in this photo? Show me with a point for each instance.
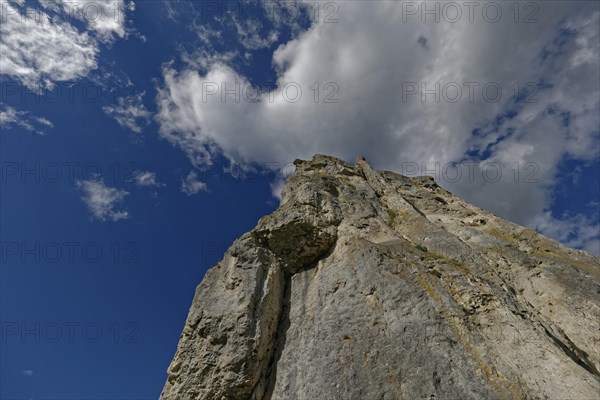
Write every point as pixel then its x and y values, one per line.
pixel 374 58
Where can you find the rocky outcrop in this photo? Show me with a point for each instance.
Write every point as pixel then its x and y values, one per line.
pixel 371 285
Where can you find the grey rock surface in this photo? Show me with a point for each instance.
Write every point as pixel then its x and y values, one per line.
pixel 371 285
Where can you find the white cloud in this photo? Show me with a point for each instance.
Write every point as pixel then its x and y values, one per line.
pixel 102 200
pixel 130 112
pixel 290 13
pixel 250 24
pixel 258 25
pixel 250 35
pixel 176 9
pixel 373 54
pixel 27 372
pixel 575 231
pixel 105 17
pixel 191 185
pixel 38 50
pixel 40 46
pixel 11 117
pixel 208 36
pixel 146 179
pixel 277 187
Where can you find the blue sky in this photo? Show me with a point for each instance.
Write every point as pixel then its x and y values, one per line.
pixel 137 145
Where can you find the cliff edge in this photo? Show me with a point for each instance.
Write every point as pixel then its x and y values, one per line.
pixel 371 285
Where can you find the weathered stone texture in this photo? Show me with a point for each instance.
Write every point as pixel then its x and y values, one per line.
pixel 370 285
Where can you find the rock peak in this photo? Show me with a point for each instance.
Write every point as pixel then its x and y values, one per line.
pixel 368 284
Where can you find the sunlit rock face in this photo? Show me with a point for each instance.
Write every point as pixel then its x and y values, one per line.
pixel 368 285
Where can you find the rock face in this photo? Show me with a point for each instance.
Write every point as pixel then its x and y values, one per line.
pixel 369 285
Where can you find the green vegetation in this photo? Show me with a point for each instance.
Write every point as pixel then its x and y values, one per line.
pixel 457 263
pixel 392 215
pixel 422 248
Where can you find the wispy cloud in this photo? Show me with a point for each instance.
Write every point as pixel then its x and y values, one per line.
pixel 576 231
pixel 191 185
pixel 208 36
pixel 250 34
pixel 40 46
pixel 130 112
pixel 102 200
pixel 11 117
pixel 146 179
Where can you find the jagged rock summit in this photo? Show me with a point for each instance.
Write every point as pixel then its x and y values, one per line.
pixel 368 285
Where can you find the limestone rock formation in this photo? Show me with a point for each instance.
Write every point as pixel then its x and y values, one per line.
pixel 368 285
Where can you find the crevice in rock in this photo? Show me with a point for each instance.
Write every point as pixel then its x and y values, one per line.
pixel 414 207
pixel 361 164
pixel 528 312
pixel 270 377
pixel 380 193
pixel 579 356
